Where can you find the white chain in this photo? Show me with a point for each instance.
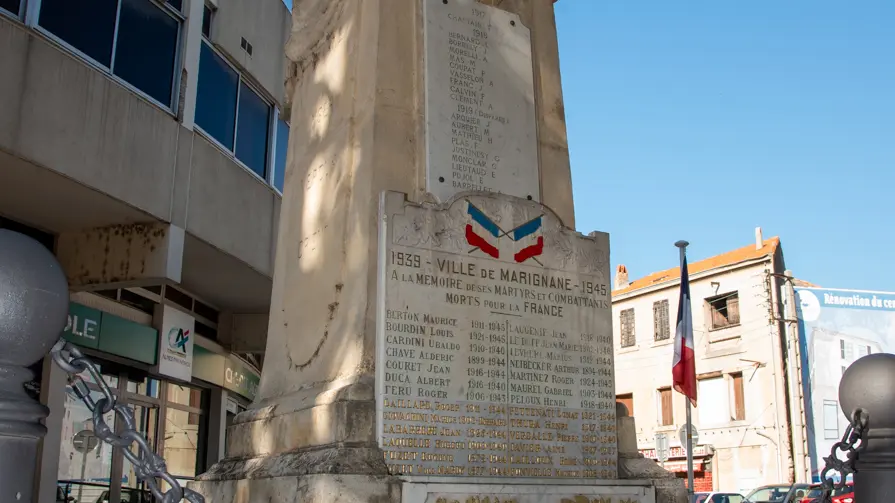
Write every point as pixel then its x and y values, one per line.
pixel 148 466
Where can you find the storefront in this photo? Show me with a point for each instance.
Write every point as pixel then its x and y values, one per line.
pixel 677 464
pixel 181 386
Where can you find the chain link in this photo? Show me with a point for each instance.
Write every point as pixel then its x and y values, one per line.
pixel 148 466
pixel 851 444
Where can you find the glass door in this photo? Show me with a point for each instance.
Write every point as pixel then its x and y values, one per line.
pixel 146 421
pixel 85 462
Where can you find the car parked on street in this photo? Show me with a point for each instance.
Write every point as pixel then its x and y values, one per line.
pixel 844 495
pixel 717 497
pixel 778 493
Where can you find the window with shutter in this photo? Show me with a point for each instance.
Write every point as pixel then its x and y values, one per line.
pixel 666 411
pixel 661 326
pixel 626 322
pixel 724 310
pixel 739 397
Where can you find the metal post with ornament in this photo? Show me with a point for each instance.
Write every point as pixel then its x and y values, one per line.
pixel 33 312
pixel 867 397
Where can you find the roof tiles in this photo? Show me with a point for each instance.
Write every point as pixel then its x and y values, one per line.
pixel 769 247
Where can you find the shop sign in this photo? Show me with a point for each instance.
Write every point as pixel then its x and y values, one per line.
pixel 122 337
pixel 94 329
pixel 208 365
pixel 677 452
pixel 240 378
pixel 176 344
pixel 83 325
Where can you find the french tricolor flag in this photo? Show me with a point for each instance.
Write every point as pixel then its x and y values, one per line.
pixel 531 240
pixel 683 369
pixel 482 232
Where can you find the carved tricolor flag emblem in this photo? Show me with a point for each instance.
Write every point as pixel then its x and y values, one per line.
pixel 482 232
pixel 528 235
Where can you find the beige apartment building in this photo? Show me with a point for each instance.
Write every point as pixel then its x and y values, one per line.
pixel 144 143
pixel 748 435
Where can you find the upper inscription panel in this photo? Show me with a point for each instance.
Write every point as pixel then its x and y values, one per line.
pixel 480 111
pixel 494 342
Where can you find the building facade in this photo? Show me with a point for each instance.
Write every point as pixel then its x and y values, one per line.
pixel 743 414
pixel 836 327
pixel 144 143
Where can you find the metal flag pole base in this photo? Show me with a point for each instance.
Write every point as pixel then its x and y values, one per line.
pixel 690 490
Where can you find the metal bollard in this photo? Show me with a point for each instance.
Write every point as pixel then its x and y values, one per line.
pixel 33 310
pixel 869 385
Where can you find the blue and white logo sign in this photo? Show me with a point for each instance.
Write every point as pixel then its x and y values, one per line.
pixel 176 345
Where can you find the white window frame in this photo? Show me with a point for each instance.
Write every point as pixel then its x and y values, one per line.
pixel 32 13
pixel 273 148
pixel 835 404
pixel 271 122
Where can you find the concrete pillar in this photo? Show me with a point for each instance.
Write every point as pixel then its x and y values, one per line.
pixel 358 128
pixel 129 254
pixel 189 84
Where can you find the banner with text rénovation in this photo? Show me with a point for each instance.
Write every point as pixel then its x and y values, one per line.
pixel 836 327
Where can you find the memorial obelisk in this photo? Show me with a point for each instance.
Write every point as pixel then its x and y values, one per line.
pixel 438 332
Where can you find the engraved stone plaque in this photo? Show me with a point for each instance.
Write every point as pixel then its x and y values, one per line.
pixel 494 342
pixel 480 110
pixel 446 492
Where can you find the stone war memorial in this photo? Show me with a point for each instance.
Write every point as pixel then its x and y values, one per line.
pixel 439 332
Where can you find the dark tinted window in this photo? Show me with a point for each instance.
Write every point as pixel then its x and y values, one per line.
pixel 177 4
pixel 280 159
pixel 216 100
pixel 147 48
pixel 10 5
pixel 87 26
pixel 251 130
pixel 206 22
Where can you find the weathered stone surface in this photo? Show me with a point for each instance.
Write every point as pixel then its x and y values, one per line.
pixel 480 105
pixel 307 489
pixel 495 355
pixel 522 491
pixel 633 466
pixel 341 459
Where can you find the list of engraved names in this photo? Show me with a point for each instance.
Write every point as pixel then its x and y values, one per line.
pixel 480 111
pixel 495 369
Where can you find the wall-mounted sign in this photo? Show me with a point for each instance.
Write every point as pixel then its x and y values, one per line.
pixel 226 371
pixel 82 326
pixel 677 452
pixel 239 378
pixel 208 365
pixel 176 344
pixel 94 329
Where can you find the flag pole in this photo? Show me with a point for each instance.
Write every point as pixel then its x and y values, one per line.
pixel 682 245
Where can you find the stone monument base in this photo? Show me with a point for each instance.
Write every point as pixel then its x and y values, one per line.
pixel 527 491
pixel 339 488
pixel 318 488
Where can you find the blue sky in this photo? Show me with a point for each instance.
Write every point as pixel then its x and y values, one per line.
pixel 701 120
